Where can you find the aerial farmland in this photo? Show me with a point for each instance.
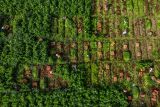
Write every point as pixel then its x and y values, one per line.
pixel 79 53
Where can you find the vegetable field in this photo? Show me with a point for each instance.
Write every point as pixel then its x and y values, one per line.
pixel 83 53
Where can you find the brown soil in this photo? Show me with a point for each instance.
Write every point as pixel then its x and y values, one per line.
pixel 149 47
pixel 142 94
pixel 94 5
pixel 137 44
pixel 119 50
pixel 140 74
pixel 158 81
pixel 51 84
pixel 156 90
pixel 73 45
pixel 86 45
pixel 128 77
pixel 59 47
pixel 106 27
pixel 138 50
pixel 27 73
pixel 34 84
pixel 115 79
pixel 129 98
pixel 64 84
pixel 142 27
pixel 121 74
pixel 107 55
pixel 136 28
pixel 80 51
pixel 100 55
pixel 118 11
pixel 154 26
pixel 112 7
pixel 124 7
pixel 153 99
pixel 100 71
pixel 47 72
pixel 132 49
pixel 144 50
pixel 24 81
pixel 151 5
pixel 146 7
pixel 80 25
pixel 99 26
pixel 157 7
pixel 117 29
pixel 107 71
pixel 138 54
pixel 94 55
pixel 107 67
pixel 105 8
pixel 100 7
pixel 112 53
pixel 48 68
pixel 125 47
pixel 99 45
pixel 113 44
pixel 58 83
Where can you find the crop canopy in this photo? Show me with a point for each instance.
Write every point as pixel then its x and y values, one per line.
pixel 126 55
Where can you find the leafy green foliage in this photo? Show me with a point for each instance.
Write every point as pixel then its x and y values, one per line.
pixel 34 24
pixel 145 63
pixel 124 23
pixel 148 24
pixel 126 55
pixel 106 46
pixel 107 96
pixel 157 73
pixel 155 54
pixel 35 73
pixel 158 23
pixel 135 92
pixel 86 56
pixel 148 82
pixel 94 70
